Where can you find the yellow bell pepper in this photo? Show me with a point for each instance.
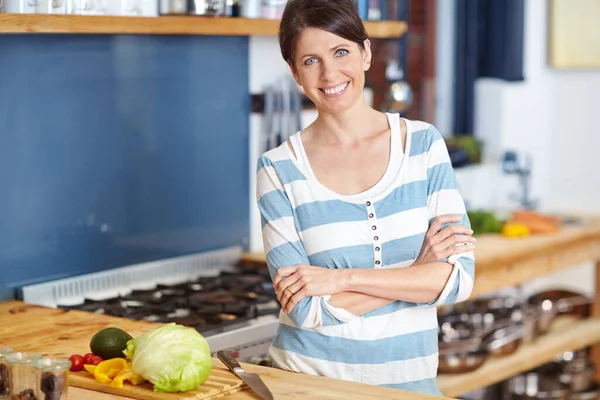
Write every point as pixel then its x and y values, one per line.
pixel 89 368
pixel 515 230
pixel 109 369
pixel 126 375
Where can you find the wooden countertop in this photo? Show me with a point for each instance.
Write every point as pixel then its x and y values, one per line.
pixel 61 333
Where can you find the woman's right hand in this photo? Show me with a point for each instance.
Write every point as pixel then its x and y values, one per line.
pixel 441 243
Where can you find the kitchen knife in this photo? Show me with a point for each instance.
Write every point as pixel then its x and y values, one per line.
pixel 252 380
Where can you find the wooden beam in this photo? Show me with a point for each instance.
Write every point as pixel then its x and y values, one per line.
pixel 164 25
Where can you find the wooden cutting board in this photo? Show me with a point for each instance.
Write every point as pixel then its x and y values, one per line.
pixel 221 382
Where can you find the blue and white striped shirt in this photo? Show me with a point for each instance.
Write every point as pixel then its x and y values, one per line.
pixel 306 223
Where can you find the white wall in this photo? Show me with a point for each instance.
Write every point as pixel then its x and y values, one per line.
pixel 444 65
pixel 266 66
pixel 552 115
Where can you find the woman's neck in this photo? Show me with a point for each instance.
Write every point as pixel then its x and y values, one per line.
pixel 350 126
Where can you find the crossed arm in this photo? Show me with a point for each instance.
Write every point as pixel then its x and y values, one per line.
pixel 362 290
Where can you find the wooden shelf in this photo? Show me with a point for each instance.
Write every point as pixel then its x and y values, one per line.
pixel 567 334
pixel 167 25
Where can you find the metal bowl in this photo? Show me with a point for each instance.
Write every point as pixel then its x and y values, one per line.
pixel 579 381
pixel 536 385
pixel 504 341
pixel 593 393
pixel 457 363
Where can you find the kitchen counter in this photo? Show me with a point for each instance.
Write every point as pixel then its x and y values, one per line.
pixel 56 332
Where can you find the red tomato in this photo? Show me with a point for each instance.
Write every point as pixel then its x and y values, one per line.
pixel 95 360
pixel 87 356
pixel 76 362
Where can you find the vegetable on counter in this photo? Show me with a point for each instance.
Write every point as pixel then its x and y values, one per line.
pixel 175 358
pixel 484 222
pixel 113 372
pixel 536 222
pixel 515 230
pixel 109 343
pixel 77 362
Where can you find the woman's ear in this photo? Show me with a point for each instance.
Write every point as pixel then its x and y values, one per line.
pixel 367 55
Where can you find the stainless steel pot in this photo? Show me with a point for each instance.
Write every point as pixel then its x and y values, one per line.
pixel 593 393
pixel 541 310
pixel 504 341
pixel 459 362
pixel 206 7
pixel 534 385
pixel 578 380
pixel 548 304
pixel 469 354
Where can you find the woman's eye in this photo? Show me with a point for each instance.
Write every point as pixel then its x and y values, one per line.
pixel 310 61
pixel 341 52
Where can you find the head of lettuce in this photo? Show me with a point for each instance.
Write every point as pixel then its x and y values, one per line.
pixel 174 358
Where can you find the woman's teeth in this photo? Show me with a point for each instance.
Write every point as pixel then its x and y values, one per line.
pixel 337 89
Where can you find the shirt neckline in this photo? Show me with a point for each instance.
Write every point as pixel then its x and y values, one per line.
pixel 392 169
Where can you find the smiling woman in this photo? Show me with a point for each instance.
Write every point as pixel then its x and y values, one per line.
pixel 328 51
pixel 364 230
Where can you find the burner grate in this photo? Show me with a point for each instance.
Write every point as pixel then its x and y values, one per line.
pixel 121 281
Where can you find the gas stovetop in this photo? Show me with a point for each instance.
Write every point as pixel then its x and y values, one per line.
pixel 233 309
pixel 212 305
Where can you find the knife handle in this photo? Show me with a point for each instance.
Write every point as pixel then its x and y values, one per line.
pixel 229 361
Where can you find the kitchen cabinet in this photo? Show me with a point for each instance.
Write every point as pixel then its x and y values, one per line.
pixel 165 25
pixel 502 262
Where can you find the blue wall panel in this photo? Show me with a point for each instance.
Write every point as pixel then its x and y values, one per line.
pixel 116 150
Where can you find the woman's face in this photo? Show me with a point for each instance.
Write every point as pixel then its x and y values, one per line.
pixel 331 69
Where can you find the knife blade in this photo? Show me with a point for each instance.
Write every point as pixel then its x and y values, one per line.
pixel 250 379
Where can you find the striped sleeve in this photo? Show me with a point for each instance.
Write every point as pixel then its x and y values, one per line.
pixel 283 247
pixel 443 198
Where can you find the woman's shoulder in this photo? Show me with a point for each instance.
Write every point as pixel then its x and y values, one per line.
pixel 422 135
pixel 276 154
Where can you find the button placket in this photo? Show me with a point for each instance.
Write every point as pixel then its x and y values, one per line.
pixel 372 217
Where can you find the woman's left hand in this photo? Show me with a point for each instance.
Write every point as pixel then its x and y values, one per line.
pixel 296 282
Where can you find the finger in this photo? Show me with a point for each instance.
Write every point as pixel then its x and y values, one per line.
pixel 450 231
pixel 456 239
pixel 295 299
pixel 286 295
pixel 438 222
pixel 458 249
pixel 286 282
pixel 283 297
pixel 282 273
pixel 296 286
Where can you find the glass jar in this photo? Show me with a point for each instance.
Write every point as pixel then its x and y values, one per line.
pixel 22 374
pixel 52 378
pixel 4 372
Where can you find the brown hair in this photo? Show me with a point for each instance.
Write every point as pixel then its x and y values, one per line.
pixel 339 17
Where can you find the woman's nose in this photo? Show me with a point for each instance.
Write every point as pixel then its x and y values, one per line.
pixel 328 71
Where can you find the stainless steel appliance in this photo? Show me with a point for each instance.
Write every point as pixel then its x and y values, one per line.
pixel 234 310
pixel 207 7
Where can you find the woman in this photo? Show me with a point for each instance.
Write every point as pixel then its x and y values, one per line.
pixel 364 229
